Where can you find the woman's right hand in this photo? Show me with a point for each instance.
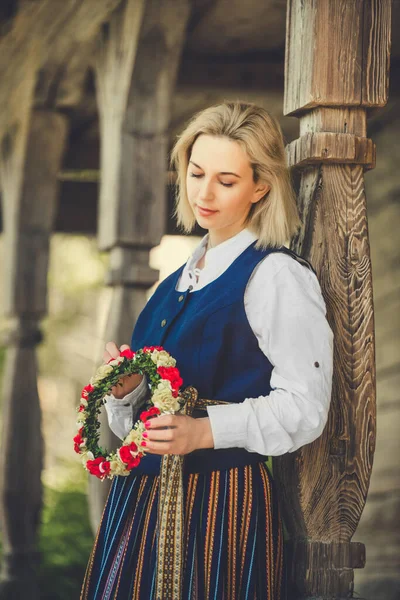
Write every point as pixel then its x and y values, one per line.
pixel 127 383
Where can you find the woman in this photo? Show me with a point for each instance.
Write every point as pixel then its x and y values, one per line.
pixel 245 319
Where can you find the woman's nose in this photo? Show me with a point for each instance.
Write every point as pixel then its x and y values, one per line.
pixel 206 190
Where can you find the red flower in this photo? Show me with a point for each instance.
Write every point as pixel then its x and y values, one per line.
pixel 81 408
pixel 127 353
pixel 99 467
pixel 152 348
pixel 154 411
pixel 173 376
pixel 125 454
pixel 78 439
pixel 87 390
pixel 146 414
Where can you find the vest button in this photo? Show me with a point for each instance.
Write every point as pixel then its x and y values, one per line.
pixel 316 364
pixel 180 298
pixel 190 288
pixel 163 322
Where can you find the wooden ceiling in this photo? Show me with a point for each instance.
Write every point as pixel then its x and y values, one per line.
pixel 234 49
pixel 232 27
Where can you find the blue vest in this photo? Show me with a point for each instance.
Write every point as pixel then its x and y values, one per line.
pixel 208 333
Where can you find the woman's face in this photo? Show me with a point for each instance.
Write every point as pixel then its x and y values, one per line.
pixel 220 186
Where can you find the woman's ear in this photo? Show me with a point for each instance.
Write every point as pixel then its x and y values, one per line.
pixel 260 191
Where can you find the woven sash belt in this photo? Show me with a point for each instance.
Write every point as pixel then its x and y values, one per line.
pixel 170 517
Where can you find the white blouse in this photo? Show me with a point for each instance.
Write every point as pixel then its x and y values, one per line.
pixel 287 313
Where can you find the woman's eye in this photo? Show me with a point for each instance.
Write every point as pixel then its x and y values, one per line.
pixel 197 175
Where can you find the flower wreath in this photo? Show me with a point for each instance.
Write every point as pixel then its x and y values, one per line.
pixel 164 382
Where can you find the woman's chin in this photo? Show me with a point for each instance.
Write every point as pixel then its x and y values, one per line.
pixel 206 222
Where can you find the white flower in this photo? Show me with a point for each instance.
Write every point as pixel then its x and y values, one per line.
pixel 84 401
pixel 163 398
pixel 117 467
pixel 81 418
pixel 101 373
pixel 164 384
pixel 116 361
pixel 135 435
pixel 162 358
pixel 85 456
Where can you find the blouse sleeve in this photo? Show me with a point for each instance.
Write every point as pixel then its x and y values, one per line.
pixel 287 313
pixel 121 412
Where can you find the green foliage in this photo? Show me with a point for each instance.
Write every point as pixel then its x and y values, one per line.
pixel 65 542
pixel 142 364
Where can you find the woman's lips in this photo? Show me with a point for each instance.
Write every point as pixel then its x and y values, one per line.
pixel 204 212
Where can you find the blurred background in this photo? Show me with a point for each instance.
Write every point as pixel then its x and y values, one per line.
pixel 78 82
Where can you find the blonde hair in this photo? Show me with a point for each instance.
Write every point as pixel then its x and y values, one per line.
pixel 274 219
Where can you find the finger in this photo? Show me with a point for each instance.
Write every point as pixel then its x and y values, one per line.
pixel 163 435
pixel 124 347
pixel 159 448
pixel 163 421
pixel 112 349
pixel 117 386
pixel 106 356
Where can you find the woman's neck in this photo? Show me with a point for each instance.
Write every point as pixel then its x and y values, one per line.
pixel 214 239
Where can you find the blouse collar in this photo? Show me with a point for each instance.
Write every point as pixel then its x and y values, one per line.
pixel 219 258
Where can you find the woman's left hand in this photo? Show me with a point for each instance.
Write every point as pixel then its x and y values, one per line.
pixel 184 434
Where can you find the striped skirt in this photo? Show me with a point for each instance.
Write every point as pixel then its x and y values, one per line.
pixel 233 538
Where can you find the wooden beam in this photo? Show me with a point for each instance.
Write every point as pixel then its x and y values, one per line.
pixel 44 34
pixel 336 66
pixel 78 209
pixel 77 206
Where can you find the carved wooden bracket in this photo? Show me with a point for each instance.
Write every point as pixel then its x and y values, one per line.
pixel 331 148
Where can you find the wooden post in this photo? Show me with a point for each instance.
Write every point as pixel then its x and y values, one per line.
pixel 29 185
pixel 135 72
pixel 337 59
pixel 42 35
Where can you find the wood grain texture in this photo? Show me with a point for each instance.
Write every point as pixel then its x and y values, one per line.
pixel 379 526
pixel 337 53
pixel 377 16
pixel 325 484
pixel 325 501
pixel 335 120
pixel 338 148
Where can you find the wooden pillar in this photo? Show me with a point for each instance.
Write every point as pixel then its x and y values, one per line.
pixel 337 59
pixel 29 172
pixel 135 72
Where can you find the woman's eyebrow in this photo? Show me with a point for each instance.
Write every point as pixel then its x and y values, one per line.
pixel 221 173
